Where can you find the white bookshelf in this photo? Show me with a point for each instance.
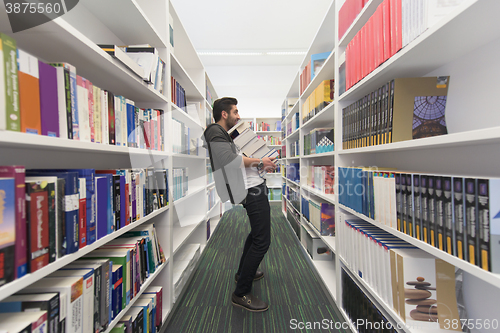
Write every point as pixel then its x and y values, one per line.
pixel 463 44
pixel 73 38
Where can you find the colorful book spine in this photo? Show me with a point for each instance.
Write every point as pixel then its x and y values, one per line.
pixel 49 104
pixel 9 85
pixel 7 230
pixel 64 100
pixel 29 93
pixel 18 173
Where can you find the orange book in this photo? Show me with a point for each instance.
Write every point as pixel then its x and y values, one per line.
pixel 29 93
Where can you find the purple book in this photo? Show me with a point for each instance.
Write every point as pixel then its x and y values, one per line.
pixel 49 103
pixel 133 192
pixel 21 251
pixel 102 197
pixel 327 219
pixel 123 205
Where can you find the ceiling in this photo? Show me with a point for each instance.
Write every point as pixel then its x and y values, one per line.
pixel 259 82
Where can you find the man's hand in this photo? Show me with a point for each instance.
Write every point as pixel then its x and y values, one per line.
pixel 269 165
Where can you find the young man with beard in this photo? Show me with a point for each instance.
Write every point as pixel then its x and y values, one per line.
pixel 237 178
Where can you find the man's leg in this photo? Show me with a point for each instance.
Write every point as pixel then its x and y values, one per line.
pixel 257 243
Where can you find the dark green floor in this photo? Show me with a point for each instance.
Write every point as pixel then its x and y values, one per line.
pixel 290 286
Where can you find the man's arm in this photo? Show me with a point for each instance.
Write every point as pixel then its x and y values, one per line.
pixel 252 162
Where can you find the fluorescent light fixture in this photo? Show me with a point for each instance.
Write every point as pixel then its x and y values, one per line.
pixel 243 53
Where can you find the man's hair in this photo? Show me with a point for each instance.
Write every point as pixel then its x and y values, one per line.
pixel 223 104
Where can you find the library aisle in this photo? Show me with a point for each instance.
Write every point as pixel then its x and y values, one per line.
pixel 291 287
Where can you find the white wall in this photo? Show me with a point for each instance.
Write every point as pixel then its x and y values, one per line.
pixel 260 90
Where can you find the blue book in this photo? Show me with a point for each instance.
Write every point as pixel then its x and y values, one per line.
pixel 7 229
pixel 103 201
pixel 71 198
pixel 130 124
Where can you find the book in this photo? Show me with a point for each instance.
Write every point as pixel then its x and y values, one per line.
pixel 117 290
pixel 82 218
pixel 158 291
pixel 37 217
pixel 104 200
pixel 70 290
pixel 38 320
pixel 118 257
pixel 49 103
pixel 83 108
pixel 71 205
pixel 137 317
pixel 317 61
pixel 87 274
pixel 10 117
pixel 147 58
pixel 32 302
pixel 29 93
pixel 64 100
pixel 106 267
pixel 7 230
pixel 17 172
pixel 118 52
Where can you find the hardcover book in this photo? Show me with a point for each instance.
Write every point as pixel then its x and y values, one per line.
pixel 64 100
pixel 38 320
pixel 17 172
pixel 70 290
pixel 32 302
pixel 10 117
pixel 49 103
pixel 7 229
pixel 119 53
pixel 29 93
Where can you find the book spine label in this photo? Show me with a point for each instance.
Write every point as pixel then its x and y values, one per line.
pixel 458 217
pixel 448 215
pixel 439 195
pixel 12 109
pixel 471 220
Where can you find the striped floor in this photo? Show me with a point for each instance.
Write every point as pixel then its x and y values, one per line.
pixel 294 293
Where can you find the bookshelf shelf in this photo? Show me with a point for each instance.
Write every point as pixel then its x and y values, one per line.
pixel 146 284
pixel 491 278
pixel 181 75
pixel 268 132
pixel 21 283
pixel 485 136
pixel 119 21
pixel 330 241
pixel 435 47
pixel 191 222
pixel 328 197
pixel 73 39
pixel 463 44
pixel 69 45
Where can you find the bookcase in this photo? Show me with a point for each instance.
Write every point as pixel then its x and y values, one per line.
pixel 73 38
pixel 458 45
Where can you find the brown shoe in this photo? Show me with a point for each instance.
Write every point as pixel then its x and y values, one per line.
pixel 249 302
pixel 258 275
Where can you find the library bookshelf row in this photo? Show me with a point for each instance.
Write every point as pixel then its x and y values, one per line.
pixel 457 45
pixel 73 38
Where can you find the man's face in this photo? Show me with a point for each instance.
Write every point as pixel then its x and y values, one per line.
pixel 233 117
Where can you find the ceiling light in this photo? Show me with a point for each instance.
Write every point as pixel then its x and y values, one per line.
pixel 243 53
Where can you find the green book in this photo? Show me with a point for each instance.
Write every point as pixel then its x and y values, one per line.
pixel 9 85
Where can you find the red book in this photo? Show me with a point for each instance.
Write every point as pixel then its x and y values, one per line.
pixel 362 38
pixel 370 45
pixel 158 129
pixel 82 190
pixel 396 26
pixel 37 216
pixel 386 27
pixel 152 138
pixel 380 35
pixel 21 248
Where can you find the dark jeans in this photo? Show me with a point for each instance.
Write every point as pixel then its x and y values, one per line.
pixel 259 239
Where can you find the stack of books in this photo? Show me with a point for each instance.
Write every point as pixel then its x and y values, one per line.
pixel 250 145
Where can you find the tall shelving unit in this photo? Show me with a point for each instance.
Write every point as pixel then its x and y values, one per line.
pixel 463 45
pixel 73 38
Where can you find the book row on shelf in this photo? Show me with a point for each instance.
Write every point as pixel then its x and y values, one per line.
pixel 319 99
pixel 311 69
pixel 293 125
pixel 320 214
pixel 292 171
pixel 182 141
pixel 88 294
pixel 212 197
pixel 52 213
pixel 185 260
pixel 274 194
pixel 456 214
pixel 210 175
pixel 53 100
pixel 266 127
pixel 178 94
pixel 419 287
pixel 319 140
pixel 270 139
pixel 402 109
pixel 210 98
pixel 393 25
pixel 319 177
pixel 295 149
pixel 142 60
pixel 180 182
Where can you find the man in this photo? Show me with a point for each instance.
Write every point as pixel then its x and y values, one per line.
pixel 237 178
